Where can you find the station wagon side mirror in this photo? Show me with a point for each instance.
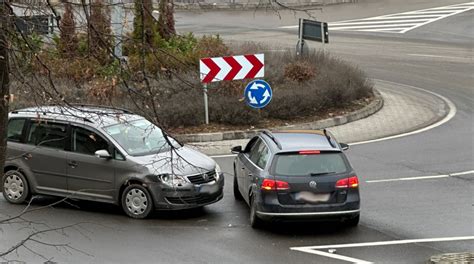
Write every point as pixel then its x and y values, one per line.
pixel 102 154
pixel 236 149
pixel 344 146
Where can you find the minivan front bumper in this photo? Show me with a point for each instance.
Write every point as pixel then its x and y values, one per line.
pixel 188 196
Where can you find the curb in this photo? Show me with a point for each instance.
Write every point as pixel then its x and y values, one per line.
pixel 368 110
pixel 256 5
pixel 465 257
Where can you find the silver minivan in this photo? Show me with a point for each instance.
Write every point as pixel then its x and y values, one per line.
pixel 107 155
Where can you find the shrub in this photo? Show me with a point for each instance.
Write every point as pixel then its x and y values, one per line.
pixel 300 70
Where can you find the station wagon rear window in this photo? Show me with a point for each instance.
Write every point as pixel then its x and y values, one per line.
pixel 296 164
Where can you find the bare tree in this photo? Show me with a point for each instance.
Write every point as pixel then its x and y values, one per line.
pixel 4 80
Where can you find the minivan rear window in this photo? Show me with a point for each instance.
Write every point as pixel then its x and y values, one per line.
pixel 15 129
pixel 296 164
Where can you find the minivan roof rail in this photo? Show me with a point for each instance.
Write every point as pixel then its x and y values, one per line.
pixel 126 111
pixel 46 112
pixel 272 137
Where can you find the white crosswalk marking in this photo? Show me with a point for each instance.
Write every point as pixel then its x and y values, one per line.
pixel 400 22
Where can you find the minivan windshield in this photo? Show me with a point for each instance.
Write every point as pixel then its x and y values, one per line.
pixel 295 164
pixel 140 137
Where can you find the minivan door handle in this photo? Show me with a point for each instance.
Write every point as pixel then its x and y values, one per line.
pixel 250 175
pixel 72 164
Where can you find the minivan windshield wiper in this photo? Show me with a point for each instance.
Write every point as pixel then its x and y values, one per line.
pixel 321 173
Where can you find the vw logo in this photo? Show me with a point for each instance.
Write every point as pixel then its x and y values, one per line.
pixel 205 177
pixel 313 184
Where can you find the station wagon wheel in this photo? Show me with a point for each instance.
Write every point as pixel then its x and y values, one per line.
pixel 255 221
pixel 15 187
pixel 352 222
pixel 136 201
pixel 237 194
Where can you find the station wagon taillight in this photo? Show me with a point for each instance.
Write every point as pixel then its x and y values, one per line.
pixel 351 182
pixel 269 185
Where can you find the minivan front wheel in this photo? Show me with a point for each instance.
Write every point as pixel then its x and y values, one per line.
pixel 15 187
pixel 136 201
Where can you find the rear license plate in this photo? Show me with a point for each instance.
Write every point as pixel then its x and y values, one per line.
pixel 310 197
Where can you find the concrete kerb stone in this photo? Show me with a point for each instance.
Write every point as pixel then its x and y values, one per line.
pixel 465 257
pixel 364 112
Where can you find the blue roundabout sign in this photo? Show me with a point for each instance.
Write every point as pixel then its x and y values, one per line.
pixel 258 94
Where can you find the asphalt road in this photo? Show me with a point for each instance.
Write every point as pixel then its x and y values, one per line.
pixel 436 57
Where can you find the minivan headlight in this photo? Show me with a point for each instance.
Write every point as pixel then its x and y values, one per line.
pixel 218 172
pixel 172 180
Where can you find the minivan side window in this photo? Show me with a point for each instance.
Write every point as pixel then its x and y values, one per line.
pixel 15 129
pixel 48 134
pixel 87 142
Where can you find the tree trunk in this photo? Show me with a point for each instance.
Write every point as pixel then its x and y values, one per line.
pixel 166 19
pixel 4 83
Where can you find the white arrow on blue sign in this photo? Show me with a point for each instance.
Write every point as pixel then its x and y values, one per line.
pixel 258 94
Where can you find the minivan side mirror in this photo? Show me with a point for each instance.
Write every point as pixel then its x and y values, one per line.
pixel 102 154
pixel 344 146
pixel 236 149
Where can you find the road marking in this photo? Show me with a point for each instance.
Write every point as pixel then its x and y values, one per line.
pixel 423 177
pixel 333 256
pixel 223 156
pixel 436 56
pixel 449 116
pixel 316 249
pixel 385 23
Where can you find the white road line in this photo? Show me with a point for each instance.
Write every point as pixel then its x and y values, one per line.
pixel 436 19
pixel 387 243
pixel 378 22
pixel 418 17
pixel 223 156
pixel 387 26
pixel 462 173
pixel 333 256
pixel 449 116
pixel 456 174
pixel 435 56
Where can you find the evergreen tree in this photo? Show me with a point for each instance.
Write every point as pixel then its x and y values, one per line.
pixel 100 33
pixel 68 40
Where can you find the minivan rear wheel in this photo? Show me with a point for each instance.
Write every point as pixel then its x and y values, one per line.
pixel 15 187
pixel 136 201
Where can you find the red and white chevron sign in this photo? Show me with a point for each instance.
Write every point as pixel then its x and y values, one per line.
pixel 231 68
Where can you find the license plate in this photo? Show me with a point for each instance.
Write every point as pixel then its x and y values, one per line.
pixel 208 188
pixel 310 197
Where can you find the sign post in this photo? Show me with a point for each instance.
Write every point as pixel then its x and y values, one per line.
pixel 227 69
pixel 206 105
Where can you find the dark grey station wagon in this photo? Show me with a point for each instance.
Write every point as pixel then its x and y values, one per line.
pixel 296 175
